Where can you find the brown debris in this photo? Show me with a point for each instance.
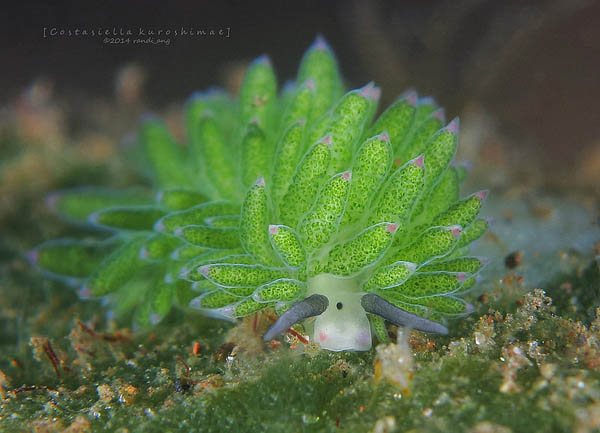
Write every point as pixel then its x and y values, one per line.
pixel 587 419
pixel 340 368
pixel 394 363
pixel 484 333
pixel 79 425
pixel 210 384
pixel 247 336
pixel 513 260
pixel 127 394
pixel 385 425
pixel 541 211
pixel 4 382
pixel 514 359
pixel 47 425
pixel 420 341
pixel 105 393
pixel 489 427
pixel 294 337
pixel 15 392
pixel 90 344
pixel 223 352
pixel 42 348
pixel 196 348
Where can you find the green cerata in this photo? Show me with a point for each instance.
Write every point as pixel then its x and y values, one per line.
pixel 300 201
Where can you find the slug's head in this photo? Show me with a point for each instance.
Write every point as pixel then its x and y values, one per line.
pixel 341 311
pixel 344 324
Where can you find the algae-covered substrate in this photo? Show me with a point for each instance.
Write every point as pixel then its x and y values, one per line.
pixel 526 360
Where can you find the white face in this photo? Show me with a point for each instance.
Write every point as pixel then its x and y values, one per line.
pixel 344 324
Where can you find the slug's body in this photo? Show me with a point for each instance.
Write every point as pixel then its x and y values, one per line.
pixel 299 203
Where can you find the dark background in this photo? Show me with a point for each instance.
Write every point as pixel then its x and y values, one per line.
pixel 277 27
pixel 532 66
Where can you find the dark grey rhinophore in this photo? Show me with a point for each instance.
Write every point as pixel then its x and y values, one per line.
pixel 377 305
pixel 309 307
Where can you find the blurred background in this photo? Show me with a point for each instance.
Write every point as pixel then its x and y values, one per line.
pixel 523 77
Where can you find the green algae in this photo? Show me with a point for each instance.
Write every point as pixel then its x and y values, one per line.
pixel 461 379
pixel 458 383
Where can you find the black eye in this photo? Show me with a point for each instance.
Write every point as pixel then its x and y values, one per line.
pixel 339 305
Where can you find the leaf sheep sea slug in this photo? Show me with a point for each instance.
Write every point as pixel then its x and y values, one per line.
pixel 300 202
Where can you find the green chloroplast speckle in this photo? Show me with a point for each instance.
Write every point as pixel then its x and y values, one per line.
pixel 303 202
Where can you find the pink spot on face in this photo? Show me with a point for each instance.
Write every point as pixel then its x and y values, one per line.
pixel 453 125
pixel 260 182
pixel 483 260
pixel 482 195
pixel 391 228
pixel 310 84
pixel 33 256
pixel 363 338
pixel 347 175
pixel 418 161
pixel 178 232
pixel 326 139
pixel 273 229
pixel 456 231
pixel 155 318
pixel 322 336
pixel 384 136
pixel 302 121
pixel 461 276
pixel 398 162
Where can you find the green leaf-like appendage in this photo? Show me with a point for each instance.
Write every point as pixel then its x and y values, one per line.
pixel 277 197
